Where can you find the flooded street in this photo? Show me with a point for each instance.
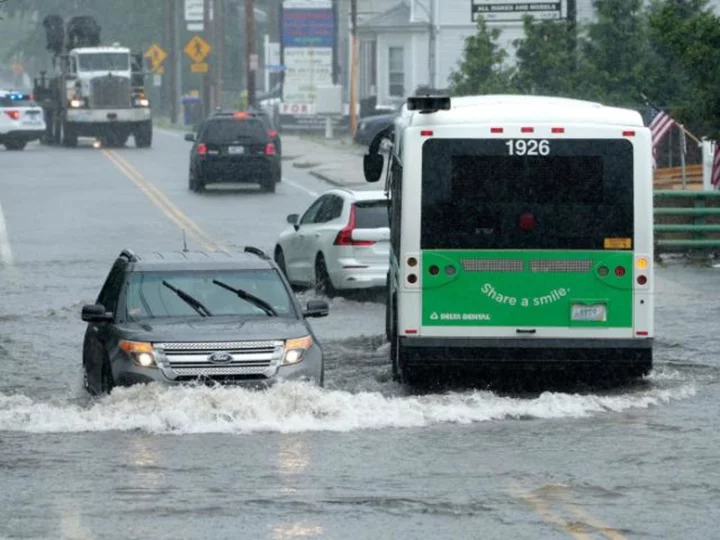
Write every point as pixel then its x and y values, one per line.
pixel 361 458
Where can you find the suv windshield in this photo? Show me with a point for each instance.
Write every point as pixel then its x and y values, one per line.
pixel 226 130
pixel 147 295
pixel 104 62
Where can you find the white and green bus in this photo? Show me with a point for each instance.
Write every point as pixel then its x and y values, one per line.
pixel 521 233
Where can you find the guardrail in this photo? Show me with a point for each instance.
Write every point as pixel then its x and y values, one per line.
pixel 687 221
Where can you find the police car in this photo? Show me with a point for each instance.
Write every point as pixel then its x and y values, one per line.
pixel 21 120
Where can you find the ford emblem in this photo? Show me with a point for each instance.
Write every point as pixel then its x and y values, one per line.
pixel 220 357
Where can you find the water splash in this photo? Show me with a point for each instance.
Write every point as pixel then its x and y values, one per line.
pixel 297 407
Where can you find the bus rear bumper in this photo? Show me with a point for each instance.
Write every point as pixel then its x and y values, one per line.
pixel 445 352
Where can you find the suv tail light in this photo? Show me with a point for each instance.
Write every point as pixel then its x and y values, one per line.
pixel 14 115
pixel 344 237
pixel 270 149
pixel 272 133
pixel 202 149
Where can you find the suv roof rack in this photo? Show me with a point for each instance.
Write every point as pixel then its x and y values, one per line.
pixel 256 251
pixel 129 255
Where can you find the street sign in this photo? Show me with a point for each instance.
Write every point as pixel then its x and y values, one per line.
pixel 199 67
pixel 197 49
pixel 275 68
pixel 195 10
pixel 157 56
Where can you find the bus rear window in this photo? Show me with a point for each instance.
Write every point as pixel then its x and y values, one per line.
pixel 477 196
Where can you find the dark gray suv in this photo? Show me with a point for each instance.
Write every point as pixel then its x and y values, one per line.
pixel 188 316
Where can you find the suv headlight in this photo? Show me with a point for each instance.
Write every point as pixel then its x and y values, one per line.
pixel 143 354
pixel 295 350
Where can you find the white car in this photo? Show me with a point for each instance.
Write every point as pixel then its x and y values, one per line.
pixel 341 242
pixel 21 120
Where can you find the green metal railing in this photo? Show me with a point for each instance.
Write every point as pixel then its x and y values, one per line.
pixel 687 220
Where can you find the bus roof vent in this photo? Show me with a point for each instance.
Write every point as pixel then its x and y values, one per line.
pixel 428 104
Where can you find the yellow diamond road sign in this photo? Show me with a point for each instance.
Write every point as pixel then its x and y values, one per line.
pixel 197 48
pixel 157 56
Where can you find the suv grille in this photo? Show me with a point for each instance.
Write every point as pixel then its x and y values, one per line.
pixel 109 92
pixel 249 359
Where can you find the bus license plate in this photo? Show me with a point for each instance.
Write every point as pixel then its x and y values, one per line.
pixel 589 312
pixel 236 150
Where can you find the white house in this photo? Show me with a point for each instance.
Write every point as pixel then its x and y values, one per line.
pixel 420 42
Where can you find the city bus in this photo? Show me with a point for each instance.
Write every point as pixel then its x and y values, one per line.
pixel 521 235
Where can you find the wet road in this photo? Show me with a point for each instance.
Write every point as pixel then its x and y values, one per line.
pixel 362 458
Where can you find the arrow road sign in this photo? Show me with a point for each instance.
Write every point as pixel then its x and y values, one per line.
pixel 157 56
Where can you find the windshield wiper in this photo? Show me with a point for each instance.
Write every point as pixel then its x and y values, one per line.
pixel 262 304
pixel 192 302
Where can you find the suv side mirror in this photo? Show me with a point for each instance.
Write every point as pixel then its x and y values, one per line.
pixel 95 313
pixel 190 137
pixel 316 308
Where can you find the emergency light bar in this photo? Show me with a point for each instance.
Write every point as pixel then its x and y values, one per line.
pixel 428 104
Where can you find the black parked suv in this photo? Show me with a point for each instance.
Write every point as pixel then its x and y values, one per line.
pixel 190 316
pixel 233 147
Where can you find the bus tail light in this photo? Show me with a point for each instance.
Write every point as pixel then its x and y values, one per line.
pixel 619 271
pixel 496 130
pixel 628 133
pixel 527 130
pixel 642 270
pixel 411 270
pixel 426 133
pixel 558 130
pixel 344 237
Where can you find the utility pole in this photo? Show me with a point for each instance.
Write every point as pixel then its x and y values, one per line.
pixel 206 75
pixel 353 67
pixel 572 28
pixel 432 58
pixel 219 45
pixel 170 86
pixel 251 60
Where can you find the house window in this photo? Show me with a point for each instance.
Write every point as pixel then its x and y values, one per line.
pixel 396 71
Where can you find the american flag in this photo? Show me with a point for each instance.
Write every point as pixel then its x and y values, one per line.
pixel 715 174
pixel 660 124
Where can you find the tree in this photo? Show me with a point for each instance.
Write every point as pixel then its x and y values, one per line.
pixel 481 70
pixel 546 60
pixel 687 34
pixel 614 54
pixel 137 23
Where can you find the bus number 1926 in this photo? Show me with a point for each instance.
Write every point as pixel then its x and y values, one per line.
pixel 528 147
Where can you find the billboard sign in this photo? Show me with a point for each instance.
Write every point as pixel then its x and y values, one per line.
pixel 514 11
pixel 308 40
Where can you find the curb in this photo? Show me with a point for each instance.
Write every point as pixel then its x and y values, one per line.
pixel 325 178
